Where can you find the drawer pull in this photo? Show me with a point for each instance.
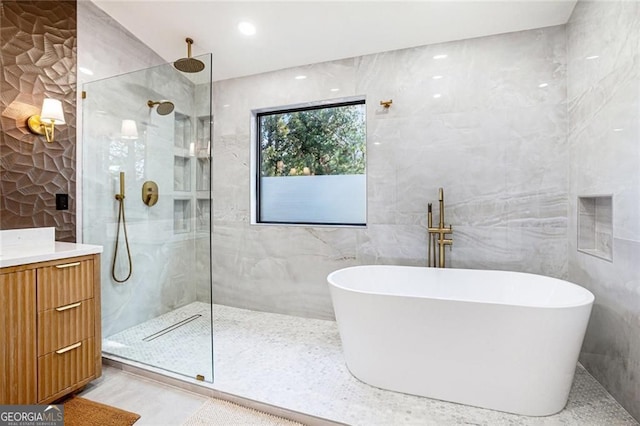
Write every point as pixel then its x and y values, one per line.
pixel 71 306
pixel 68 348
pixel 67 265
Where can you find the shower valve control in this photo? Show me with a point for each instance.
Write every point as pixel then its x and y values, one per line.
pixel 150 193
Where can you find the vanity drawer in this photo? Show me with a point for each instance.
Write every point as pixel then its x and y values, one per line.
pixel 65 367
pixel 65 325
pixel 64 283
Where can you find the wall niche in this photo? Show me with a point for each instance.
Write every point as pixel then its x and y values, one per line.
pixel 595 226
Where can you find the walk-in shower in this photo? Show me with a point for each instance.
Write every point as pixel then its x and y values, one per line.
pixel 161 316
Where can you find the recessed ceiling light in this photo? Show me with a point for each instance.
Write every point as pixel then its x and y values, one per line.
pixel 439 56
pixel 541 85
pixel 246 28
pixel 377 143
pixel 226 106
pixel 300 77
pixel 84 70
pixel 436 77
pixel 619 129
pixel 437 95
pixel 592 57
pixel 335 90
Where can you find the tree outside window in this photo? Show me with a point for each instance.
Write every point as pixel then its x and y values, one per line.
pixel 324 140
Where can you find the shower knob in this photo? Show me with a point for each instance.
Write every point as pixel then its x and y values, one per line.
pixel 150 193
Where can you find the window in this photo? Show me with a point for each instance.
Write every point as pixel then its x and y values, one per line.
pixel 311 165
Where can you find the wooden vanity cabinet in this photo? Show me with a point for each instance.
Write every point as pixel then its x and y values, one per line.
pixel 50 335
pixel 18 353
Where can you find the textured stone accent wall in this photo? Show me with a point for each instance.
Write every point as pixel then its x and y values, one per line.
pixel 38 60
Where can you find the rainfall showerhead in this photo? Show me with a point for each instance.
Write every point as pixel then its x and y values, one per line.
pixel 164 107
pixel 189 64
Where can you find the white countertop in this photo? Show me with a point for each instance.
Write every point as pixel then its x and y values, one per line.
pixel 29 246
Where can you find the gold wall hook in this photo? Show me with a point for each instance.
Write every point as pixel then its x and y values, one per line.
pixel 386 104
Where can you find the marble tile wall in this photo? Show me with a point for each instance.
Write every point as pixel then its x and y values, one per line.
pixel 494 138
pixel 164 259
pixel 604 129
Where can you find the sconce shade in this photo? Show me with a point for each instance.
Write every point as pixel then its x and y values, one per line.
pixel 129 130
pixel 50 115
pixel 52 111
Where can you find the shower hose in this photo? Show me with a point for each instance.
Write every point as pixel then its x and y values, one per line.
pixel 121 219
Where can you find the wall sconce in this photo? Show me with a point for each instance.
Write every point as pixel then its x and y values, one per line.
pixel 129 130
pixel 50 115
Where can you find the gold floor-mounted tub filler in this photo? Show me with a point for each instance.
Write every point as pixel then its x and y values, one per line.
pixel 437 236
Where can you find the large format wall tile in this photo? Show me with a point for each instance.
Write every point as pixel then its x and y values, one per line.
pixel 38 60
pixel 494 139
pixel 275 267
pixel 604 128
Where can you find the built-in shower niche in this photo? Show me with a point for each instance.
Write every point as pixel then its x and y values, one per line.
pixel 181 216
pixel 595 226
pixel 181 173
pixel 182 131
pixel 203 215
pixel 203 169
pixel 203 133
pixel 203 151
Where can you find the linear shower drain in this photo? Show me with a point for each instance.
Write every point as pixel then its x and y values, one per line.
pixel 170 328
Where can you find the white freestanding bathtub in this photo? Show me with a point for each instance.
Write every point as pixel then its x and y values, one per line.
pixel 507 341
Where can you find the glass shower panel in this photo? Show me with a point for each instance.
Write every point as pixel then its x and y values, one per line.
pixel 162 315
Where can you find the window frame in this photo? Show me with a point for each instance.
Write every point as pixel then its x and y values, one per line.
pixel 258 159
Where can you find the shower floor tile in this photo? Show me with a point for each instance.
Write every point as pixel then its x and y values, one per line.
pixel 297 363
pixel 185 350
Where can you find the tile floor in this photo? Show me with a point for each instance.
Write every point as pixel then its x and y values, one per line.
pixel 158 404
pixel 186 350
pixel 296 363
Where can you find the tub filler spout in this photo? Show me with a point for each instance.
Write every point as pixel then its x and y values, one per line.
pixel 437 236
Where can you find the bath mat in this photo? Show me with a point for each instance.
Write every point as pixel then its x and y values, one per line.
pixel 83 412
pixel 220 412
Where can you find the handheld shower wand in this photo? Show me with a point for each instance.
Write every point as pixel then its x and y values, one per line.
pixel 121 219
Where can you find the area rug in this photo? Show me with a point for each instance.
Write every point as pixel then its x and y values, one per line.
pixel 219 412
pixel 83 412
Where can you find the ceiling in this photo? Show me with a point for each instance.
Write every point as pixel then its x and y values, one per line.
pixel 293 33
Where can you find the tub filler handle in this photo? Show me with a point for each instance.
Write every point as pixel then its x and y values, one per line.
pixel 437 236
